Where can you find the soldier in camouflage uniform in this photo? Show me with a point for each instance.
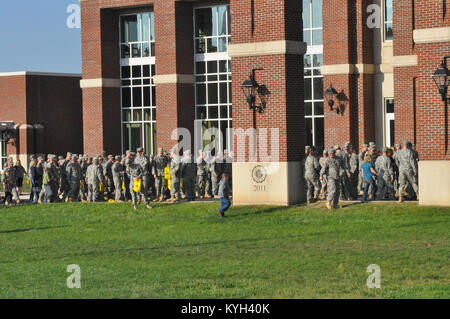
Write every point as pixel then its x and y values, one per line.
pixel 202 174
pixel 407 169
pixel 64 186
pixel 333 169
pixel 107 172
pixel 12 180
pixel 385 176
pixel 345 178
pixel 86 161
pixel 126 180
pixel 208 183
pixel 134 172
pixel 312 168
pixel 354 172
pixel 143 160
pixel 117 173
pixel 175 176
pixel 55 177
pixel 216 171
pixel 73 174
pixel 323 183
pixel 94 176
pixel 361 154
pixel 160 163
pixel 188 171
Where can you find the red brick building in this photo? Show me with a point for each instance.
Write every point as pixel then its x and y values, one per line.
pixel 41 114
pixel 151 67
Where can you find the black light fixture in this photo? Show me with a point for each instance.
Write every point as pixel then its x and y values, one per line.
pixel 330 95
pixel 252 89
pixel 442 78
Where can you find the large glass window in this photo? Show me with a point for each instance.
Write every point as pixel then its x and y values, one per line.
pixel 138 103
pixel 213 75
pixel 312 22
pixel 388 14
pixel 313 79
pixel 313 90
pixel 137 35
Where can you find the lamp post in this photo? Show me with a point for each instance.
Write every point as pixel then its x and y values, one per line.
pixel 330 95
pixel 442 78
pixel 251 90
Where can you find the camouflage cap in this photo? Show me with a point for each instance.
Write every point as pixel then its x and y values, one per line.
pixel 127 152
pixel 60 157
pixel 118 158
pixel 40 158
pixel 325 152
pixel 132 153
pixel 364 146
pixel 397 145
pixel 307 148
pixel 140 149
pixel 110 156
pixel 331 150
pixel 103 152
pixel 406 142
pixel 337 147
pixel 95 159
pixel 69 154
pixel 160 149
pixel 75 157
pixel 385 149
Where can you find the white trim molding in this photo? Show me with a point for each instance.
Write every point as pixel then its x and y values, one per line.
pixel 404 60
pixel 266 48
pixel 100 83
pixel 335 69
pixel 70 75
pixel 432 35
pixel 173 79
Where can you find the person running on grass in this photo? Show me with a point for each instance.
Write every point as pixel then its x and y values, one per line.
pixel 224 194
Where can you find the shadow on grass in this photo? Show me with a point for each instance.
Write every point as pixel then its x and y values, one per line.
pixel 28 229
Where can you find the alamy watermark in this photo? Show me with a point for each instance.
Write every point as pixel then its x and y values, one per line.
pixel 74 280
pixel 374 279
pixel 74 19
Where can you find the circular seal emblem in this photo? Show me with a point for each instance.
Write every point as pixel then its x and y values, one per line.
pixel 259 174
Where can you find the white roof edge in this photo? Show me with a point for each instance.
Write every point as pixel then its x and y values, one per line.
pixel 78 75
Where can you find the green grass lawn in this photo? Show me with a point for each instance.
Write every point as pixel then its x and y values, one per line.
pixel 187 251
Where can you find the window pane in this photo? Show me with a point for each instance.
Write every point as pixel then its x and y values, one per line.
pixel 389 106
pixel 146 71
pixel 132 136
pixel 388 33
pixel 147 96
pixel 308 108
pixel 211 45
pixel 223 111
pixel 319 132
pixel 212 67
pixel 305 14
pixel 129 30
pixel 146 49
pixel 125 51
pixel 137 97
pixel 148 132
pixel 317 37
pixel 318 88
pixel 152 26
pixel 136 50
pixel 388 13
pixel 201 113
pixel 222 12
pixel 308 92
pixel 317 13
pixel 309 133
pixel 318 60
pixel 212 93
pixel 200 46
pixel 213 112
pixel 126 97
pixel 201 93
pixel 146 27
pixel 223 92
pixel 125 72
pixel 307 61
pixel 200 68
pixel 136 71
pixel 137 115
pixel 203 22
pixel 126 116
pixel 153 96
pixel 307 37
pixel 222 44
pixel 318 108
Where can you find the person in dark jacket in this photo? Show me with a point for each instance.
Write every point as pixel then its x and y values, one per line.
pixel 32 175
pixel 224 195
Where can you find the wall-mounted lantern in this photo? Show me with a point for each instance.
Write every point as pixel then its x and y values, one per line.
pixel 442 78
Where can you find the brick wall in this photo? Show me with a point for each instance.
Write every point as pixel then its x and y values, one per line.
pixel 282 74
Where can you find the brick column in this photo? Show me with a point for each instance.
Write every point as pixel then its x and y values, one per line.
pixel 348 66
pixel 405 71
pixel 174 70
pixel 432 43
pixel 100 83
pixel 269 38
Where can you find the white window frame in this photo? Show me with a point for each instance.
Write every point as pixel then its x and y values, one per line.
pixel 138 61
pixel 205 57
pixel 385 22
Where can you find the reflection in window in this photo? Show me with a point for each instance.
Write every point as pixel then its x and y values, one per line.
pixel 312 22
pixel 212 29
pixel 137 35
pixel 388 13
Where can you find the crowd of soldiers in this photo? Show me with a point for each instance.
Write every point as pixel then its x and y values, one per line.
pixel 337 174
pixel 112 178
